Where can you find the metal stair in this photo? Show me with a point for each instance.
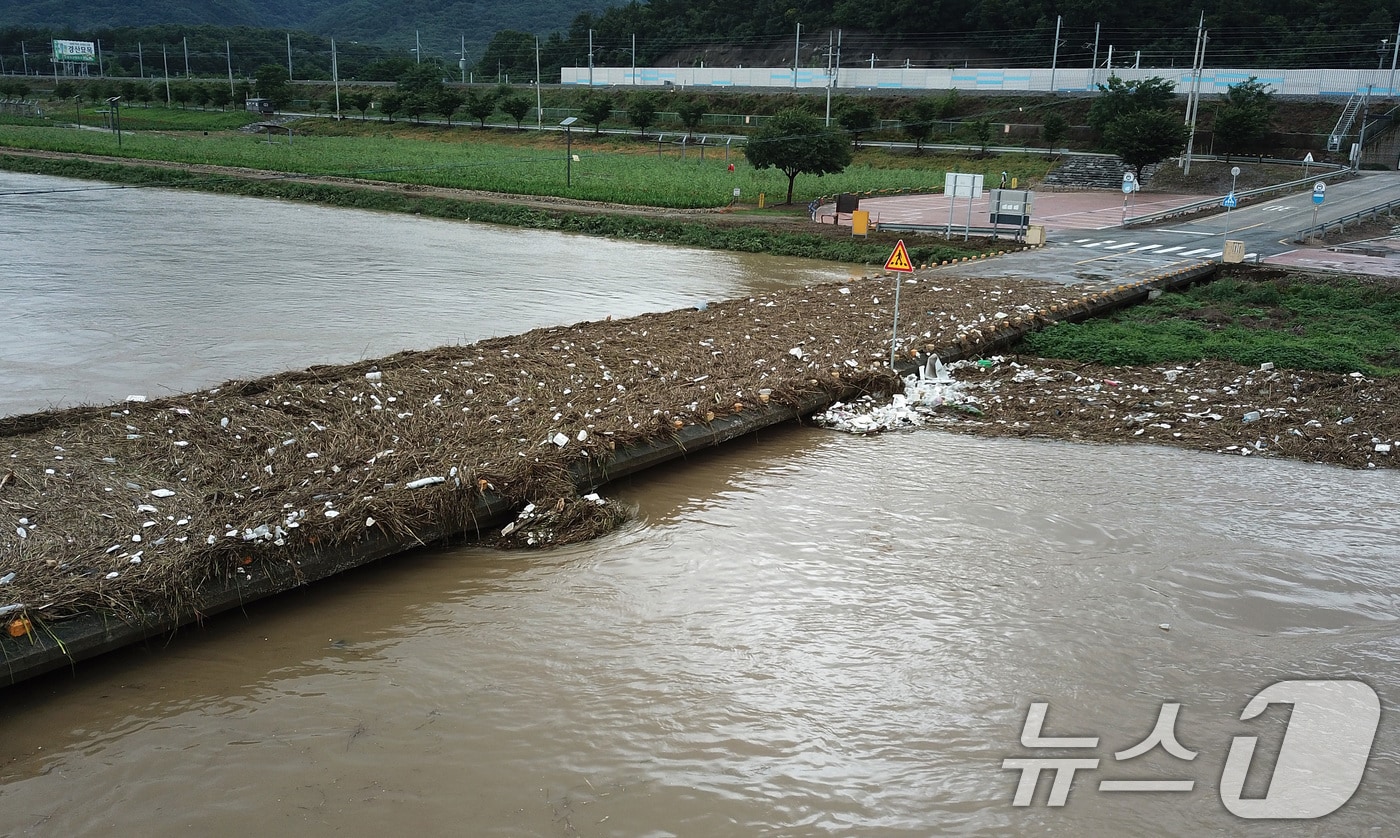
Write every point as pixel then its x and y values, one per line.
pixel 1344 122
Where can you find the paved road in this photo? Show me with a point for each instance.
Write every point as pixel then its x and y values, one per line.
pixel 1086 223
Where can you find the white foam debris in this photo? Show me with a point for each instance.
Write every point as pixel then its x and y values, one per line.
pixel 136 398
pixel 424 481
pixel 923 395
pixel 560 440
pixel 162 493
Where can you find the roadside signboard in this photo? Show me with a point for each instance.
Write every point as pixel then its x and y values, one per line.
pixel 1230 201
pixel 962 185
pixel 1011 206
pixel 1319 192
pixel 84 52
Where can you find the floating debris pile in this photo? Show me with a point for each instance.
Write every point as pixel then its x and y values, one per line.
pixel 1218 406
pixel 134 508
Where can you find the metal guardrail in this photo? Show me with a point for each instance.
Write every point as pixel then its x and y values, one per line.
pixel 1341 223
pixel 1337 173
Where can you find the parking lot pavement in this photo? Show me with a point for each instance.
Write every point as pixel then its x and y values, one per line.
pixel 1087 210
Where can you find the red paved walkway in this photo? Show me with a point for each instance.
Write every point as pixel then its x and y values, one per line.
pixel 1327 260
pixel 1056 210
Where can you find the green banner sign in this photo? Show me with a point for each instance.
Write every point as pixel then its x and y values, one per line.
pixel 75 51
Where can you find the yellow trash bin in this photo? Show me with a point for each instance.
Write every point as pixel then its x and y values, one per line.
pixel 860 223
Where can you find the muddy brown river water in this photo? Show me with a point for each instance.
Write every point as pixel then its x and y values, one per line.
pixel 801 634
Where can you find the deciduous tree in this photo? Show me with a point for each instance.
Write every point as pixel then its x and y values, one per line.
pixel 1053 129
pixel 481 104
pixel 516 107
pixel 691 110
pixel 857 118
pixel 361 100
pixel 641 111
pixel 595 111
pixel 1142 138
pixel 272 85
pixel 795 142
pixel 1243 117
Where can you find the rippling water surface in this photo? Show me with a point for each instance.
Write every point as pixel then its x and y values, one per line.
pixel 112 291
pixel 801 634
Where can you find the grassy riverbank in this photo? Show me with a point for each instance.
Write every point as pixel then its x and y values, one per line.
pixel 1251 316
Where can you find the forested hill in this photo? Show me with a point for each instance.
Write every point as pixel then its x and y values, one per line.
pixel 440 25
pixel 881 33
pixel 1276 33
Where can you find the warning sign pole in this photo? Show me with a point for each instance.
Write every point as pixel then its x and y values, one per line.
pixel 899 263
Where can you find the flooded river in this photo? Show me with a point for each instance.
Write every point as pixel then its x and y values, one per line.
pixel 801 634
pixel 112 291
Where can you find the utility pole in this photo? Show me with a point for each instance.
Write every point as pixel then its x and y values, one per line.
pixel 634 57
pixel 335 76
pixel 830 46
pixel 289 57
pixel 1094 69
pixel 165 59
pixel 228 57
pixel 24 53
pixel 872 60
pixel 187 56
pixel 1055 52
pixel 539 110
pixel 417 48
pixel 140 61
pixel 796 55
pixel 1137 60
pixel 590 59
pixel 462 62
pixel 1394 54
pixel 1198 62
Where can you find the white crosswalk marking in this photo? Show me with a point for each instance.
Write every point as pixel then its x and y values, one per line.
pixel 1197 250
pixel 1249 256
pixel 1120 246
pixel 1096 244
pixel 1080 241
pixel 1171 249
pixel 1146 247
pixel 1215 255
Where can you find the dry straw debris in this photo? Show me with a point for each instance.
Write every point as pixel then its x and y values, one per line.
pixel 132 508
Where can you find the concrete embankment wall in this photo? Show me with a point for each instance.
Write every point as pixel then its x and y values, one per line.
pixel 50 647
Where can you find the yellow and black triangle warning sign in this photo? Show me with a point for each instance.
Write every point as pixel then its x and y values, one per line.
pixel 899 260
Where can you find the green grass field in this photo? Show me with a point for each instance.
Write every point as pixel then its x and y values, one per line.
pixel 497 161
pixel 1342 325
